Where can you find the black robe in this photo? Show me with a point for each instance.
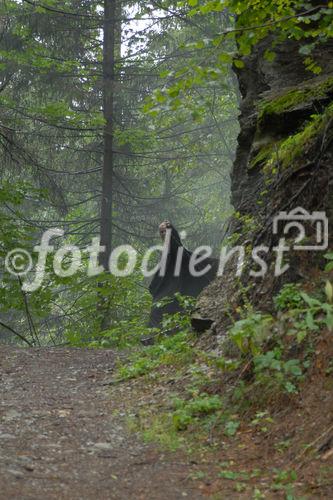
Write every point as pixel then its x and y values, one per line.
pixel 185 284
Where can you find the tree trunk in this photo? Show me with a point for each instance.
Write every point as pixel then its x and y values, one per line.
pixel 108 107
pixel 103 304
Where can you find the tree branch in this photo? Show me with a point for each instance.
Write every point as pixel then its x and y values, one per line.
pixel 10 329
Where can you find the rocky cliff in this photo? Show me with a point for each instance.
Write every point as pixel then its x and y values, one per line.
pixel 283 161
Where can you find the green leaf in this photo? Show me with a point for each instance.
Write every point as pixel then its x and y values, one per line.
pixel 228 474
pixel 306 50
pixel 310 301
pixel 290 388
pixel 301 336
pixel 310 322
pixel 173 92
pixel 239 63
pixel 225 58
pixel 269 55
pixel 329 291
pixel 200 44
pixel 329 267
pixel 293 367
pixel 231 428
pixel 329 320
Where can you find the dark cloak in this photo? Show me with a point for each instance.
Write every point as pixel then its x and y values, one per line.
pixel 166 286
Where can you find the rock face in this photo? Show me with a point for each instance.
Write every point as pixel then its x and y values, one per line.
pixel 263 80
pixel 283 161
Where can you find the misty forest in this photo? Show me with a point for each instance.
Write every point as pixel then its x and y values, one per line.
pixel 166 257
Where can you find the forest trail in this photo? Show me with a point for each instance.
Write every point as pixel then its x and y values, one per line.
pixel 60 437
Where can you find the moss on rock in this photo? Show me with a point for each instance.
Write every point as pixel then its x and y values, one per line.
pixel 295 97
pixel 296 146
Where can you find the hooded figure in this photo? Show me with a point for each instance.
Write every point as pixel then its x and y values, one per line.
pixel 177 276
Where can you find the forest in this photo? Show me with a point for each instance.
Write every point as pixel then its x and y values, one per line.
pixel 139 143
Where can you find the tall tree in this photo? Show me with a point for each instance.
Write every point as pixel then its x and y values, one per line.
pixel 109 42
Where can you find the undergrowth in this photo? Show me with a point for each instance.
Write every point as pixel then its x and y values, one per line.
pixel 272 356
pixel 203 400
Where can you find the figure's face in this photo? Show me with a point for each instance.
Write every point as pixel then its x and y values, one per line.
pixel 163 228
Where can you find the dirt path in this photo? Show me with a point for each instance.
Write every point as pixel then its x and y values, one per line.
pixel 59 437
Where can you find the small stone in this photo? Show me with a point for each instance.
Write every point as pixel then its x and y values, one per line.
pixel 16 473
pixel 29 468
pixel 6 436
pixel 102 446
pixel 11 415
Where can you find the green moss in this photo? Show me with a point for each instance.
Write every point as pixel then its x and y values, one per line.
pixel 264 154
pixel 296 146
pixel 286 153
pixel 295 97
